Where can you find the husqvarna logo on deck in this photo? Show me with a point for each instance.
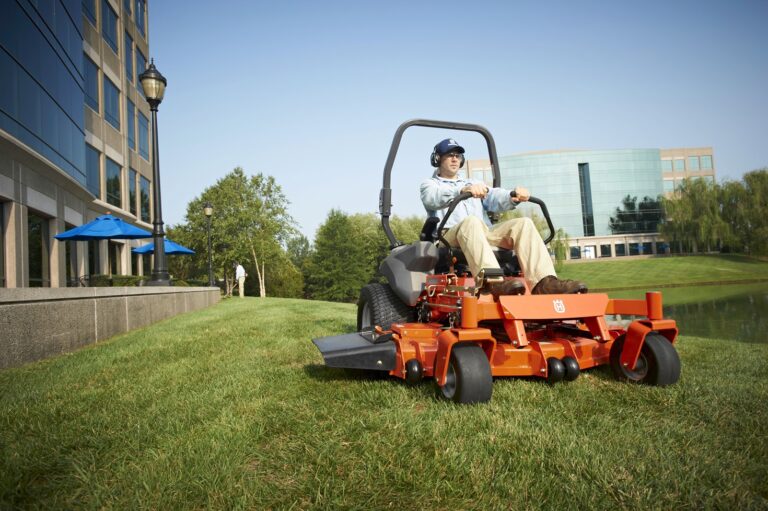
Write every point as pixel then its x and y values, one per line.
pixel 559 306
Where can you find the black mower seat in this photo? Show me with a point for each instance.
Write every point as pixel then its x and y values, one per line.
pixel 507 258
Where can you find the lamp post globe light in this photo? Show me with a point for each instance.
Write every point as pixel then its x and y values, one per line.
pixel 153 84
pixel 208 210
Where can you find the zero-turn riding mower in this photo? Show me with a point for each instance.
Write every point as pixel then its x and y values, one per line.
pixel 430 319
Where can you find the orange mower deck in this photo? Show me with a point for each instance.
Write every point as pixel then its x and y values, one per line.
pixel 583 334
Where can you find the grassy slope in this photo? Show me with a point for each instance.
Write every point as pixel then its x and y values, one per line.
pixel 666 271
pixel 230 407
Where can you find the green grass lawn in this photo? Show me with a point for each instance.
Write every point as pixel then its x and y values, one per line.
pixel 230 407
pixel 666 271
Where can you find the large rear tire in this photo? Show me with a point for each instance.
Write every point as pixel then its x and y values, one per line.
pixel 379 306
pixel 469 378
pixel 658 363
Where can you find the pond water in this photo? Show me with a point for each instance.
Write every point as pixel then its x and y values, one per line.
pixel 737 312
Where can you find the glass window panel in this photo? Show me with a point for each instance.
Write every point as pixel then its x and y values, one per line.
pixel 139 15
pixel 706 163
pixel 693 163
pixel 109 25
pixel 94 261
pixel 144 191
pixel 141 63
pixel 605 251
pixel 37 250
pixel 634 249
pixel 128 57
pixel 141 66
pixel 2 249
pixel 666 165
pixel 111 103
pixel 89 9
pixel 143 136
pixel 113 253
pixel 93 178
pixel 646 248
pixel 679 164
pixel 91 74
pixel 113 183
pixel 575 253
pixel 662 247
pixel 620 249
pixel 132 191
pixel 127 6
pixel 130 113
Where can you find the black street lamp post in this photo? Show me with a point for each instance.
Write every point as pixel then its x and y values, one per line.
pixel 208 210
pixel 153 84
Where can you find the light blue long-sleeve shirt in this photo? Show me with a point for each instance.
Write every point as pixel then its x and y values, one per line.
pixel 437 192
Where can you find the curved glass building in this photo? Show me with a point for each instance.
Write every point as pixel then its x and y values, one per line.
pixel 583 189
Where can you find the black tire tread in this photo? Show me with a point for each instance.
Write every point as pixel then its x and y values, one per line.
pixel 386 307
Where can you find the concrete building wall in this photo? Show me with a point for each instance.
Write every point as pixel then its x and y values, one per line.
pixel 686 162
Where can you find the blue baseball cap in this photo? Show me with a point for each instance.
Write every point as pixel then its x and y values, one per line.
pixel 447 146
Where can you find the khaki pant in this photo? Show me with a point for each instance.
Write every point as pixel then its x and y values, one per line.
pixel 475 240
pixel 241 286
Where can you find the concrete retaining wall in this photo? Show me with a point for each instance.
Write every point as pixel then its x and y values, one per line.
pixel 39 323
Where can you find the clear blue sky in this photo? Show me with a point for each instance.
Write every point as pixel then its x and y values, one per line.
pixel 311 92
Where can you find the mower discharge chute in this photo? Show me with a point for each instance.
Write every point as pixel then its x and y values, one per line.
pixel 431 321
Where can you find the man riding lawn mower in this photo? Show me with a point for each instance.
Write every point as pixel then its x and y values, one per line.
pixel 461 306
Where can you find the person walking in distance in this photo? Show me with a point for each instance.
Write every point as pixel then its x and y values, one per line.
pixel 240 276
pixel 469 227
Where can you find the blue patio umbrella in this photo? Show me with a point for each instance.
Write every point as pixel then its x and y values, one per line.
pixel 171 248
pixel 104 227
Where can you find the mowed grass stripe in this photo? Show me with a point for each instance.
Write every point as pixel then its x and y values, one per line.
pixel 230 407
pixel 666 271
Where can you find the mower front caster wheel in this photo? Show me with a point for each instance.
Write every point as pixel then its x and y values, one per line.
pixel 555 370
pixel 572 368
pixel 414 372
pixel 658 363
pixel 469 377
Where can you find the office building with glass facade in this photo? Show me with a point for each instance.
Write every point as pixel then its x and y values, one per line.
pixel 74 136
pixel 583 189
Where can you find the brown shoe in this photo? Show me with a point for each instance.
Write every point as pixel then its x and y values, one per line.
pixel 507 287
pixel 553 286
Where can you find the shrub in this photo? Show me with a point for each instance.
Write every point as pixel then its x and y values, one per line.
pixel 99 281
pixel 126 280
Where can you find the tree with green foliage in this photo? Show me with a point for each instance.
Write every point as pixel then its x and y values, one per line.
pixel 693 217
pixel 560 245
pixel 336 269
pixel 634 218
pixel 338 274
pixel 755 235
pixel 250 225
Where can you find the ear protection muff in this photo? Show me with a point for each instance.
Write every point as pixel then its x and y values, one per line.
pixel 434 158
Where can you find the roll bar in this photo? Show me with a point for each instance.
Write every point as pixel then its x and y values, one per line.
pixel 385 196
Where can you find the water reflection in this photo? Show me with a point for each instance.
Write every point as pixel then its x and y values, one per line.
pixel 720 312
